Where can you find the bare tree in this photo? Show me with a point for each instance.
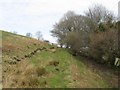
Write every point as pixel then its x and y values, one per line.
pixel 64 26
pixel 14 32
pixel 100 14
pixel 28 34
pixel 39 35
pixel 71 24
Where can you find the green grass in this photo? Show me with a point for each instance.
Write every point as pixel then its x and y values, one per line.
pixel 17 43
pixel 93 79
pixel 58 79
pixel 70 72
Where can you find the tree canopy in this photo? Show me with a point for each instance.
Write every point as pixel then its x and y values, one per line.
pixel 93 34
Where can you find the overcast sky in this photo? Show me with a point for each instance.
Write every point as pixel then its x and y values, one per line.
pixel 31 16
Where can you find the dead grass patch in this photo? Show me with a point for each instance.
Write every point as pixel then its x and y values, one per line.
pixel 25 75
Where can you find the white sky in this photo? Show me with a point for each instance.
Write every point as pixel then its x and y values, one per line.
pixel 31 16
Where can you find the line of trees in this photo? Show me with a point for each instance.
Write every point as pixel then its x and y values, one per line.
pixel 94 34
pixel 38 34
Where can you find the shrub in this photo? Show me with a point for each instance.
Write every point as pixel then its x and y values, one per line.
pixel 104 46
pixel 40 71
pixel 54 63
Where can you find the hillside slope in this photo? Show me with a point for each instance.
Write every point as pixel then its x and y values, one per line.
pixel 28 62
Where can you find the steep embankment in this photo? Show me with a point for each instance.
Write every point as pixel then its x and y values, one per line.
pixel 31 63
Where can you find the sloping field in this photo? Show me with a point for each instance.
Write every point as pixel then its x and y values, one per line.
pixel 30 63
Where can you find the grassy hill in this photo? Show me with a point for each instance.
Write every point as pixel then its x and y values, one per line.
pixel 28 62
